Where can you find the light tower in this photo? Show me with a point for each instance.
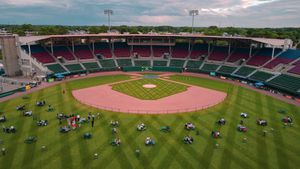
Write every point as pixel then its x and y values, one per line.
pixel 108 12
pixel 193 13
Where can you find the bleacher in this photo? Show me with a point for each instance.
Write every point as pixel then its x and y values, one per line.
pixel 245 71
pixel 103 49
pixel 207 67
pixel 180 50
pixel 121 49
pixel 176 63
pixel 124 62
pixel 39 53
pixel 158 51
pixel 143 51
pixel 219 53
pixel 227 70
pixel 261 76
pixel 286 83
pixel 63 51
pixel 91 66
pixel 107 63
pixel 194 64
pixel 74 68
pixel 284 58
pixel 56 68
pixel 238 54
pixel 160 63
pixel 199 50
pixel 262 56
pixel 142 63
pixel 83 52
pixel 296 68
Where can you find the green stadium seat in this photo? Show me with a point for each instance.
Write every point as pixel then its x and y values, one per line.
pixel 56 68
pixel 261 76
pixel 142 63
pixel 107 63
pixel 176 63
pixel 193 64
pixel 160 63
pixel 245 71
pixel 74 68
pixel 91 66
pixel 124 62
pixel 287 83
pixel 209 67
pixel 227 70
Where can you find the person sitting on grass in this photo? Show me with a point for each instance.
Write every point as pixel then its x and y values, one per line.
pixel 141 127
pixel 116 142
pixel 215 134
pixel 114 130
pixel 242 128
pixel 244 115
pixel 42 122
pixel 27 113
pixel 189 126
pixel 20 107
pixel 221 121
pixel 40 103
pixel 262 122
pixel 149 141
pixel 2 118
pixel 10 129
pixel 287 119
pixel 188 140
pixel 114 123
pixel 65 129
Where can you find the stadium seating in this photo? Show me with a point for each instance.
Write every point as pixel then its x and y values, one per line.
pixel 103 49
pixel 158 51
pixel 180 50
pixel 199 50
pixel 56 68
pixel 238 54
pixel 143 51
pixel 121 49
pixel 262 56
pixel 261 76
pixel 142 63
pixel 219 53
pixel 193 64
pixel 287 83
pixel 83 52
pixel 244 71
pixel 91 66
pixel 39 53
pixel 160 63
pixel 74 68
pixel 227 70
pixel 124 62
pixel 176 63
pixel 63 51
pixel 108 63
pixel 209 67
pixel 284 58
pixel 295 69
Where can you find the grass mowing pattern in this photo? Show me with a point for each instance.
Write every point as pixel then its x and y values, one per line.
pixel 280 149
pixel 162 89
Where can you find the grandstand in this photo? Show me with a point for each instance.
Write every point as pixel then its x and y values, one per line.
pixel 263 60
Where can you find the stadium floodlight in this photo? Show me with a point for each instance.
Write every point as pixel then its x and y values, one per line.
pixel 193 13
pixel 108 12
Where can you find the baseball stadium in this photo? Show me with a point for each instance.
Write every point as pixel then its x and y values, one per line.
pixel 149 100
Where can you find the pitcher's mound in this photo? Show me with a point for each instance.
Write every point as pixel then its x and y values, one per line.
pixel 149 86
pixel 103 97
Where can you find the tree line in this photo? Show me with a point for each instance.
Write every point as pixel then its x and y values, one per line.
pixel 281 33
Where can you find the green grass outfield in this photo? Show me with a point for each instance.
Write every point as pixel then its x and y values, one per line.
pixel 278 150
pixel 163 88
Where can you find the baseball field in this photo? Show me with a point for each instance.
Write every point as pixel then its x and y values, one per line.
pixel 275 146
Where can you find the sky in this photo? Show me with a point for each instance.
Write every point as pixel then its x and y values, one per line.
pixel 236 13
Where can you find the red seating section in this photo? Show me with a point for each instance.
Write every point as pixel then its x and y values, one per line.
pixel 143 51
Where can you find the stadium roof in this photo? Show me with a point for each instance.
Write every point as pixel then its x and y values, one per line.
pixel 273 42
